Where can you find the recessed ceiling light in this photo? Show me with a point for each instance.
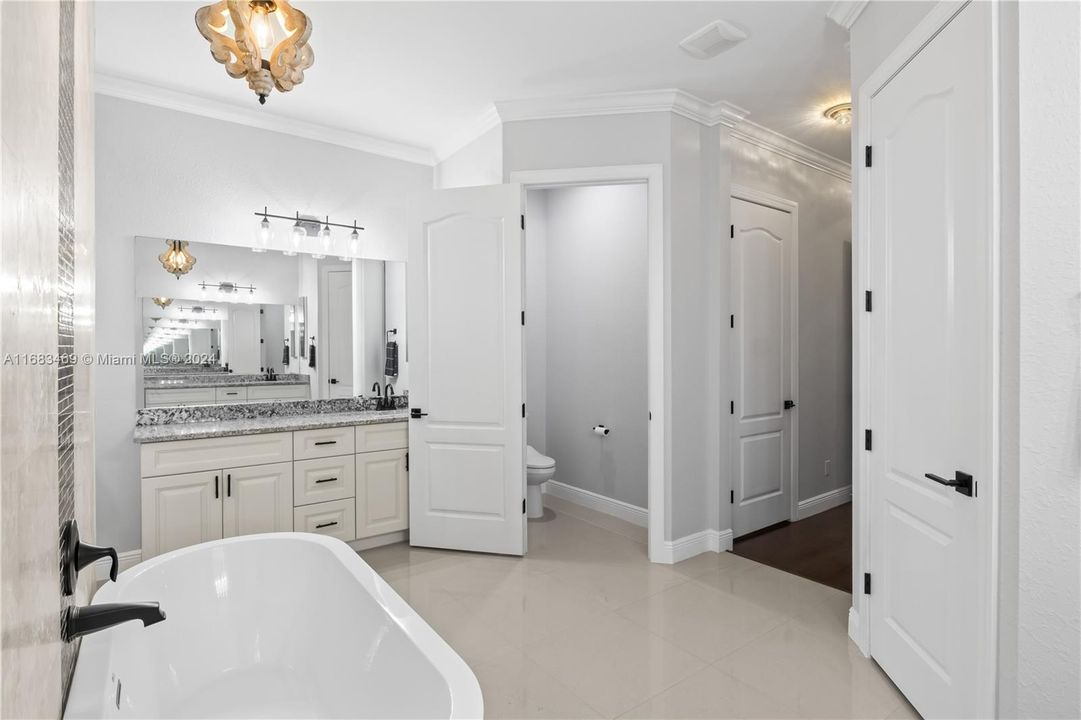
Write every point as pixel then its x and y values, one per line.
pixel 840 114
pixel 713 39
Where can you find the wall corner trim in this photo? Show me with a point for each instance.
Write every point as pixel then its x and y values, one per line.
pixel 688 546
pixel 484 122
pixel 754 134
pixel 137 91
pixel 845 12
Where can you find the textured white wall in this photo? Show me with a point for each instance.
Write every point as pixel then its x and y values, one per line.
pixel 162 173
pixel 595 347
pixel 825 309
pixel 1049 512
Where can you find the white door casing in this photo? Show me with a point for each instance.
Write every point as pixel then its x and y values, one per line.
pixel 929 373
pixel 763 361
pixel 467 455
pixel 338 339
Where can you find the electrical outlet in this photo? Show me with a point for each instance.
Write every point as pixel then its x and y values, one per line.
pixel 826 472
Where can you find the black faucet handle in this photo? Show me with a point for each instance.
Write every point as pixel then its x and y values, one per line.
pixel 87 554
pixel 77 555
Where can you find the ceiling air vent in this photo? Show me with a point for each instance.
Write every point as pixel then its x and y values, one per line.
pixel 713 39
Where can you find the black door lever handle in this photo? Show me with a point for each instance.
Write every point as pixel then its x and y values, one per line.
pixel 962 482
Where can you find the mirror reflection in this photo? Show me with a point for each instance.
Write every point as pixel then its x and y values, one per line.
pixel 258 327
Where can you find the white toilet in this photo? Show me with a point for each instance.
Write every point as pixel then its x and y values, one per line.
pixel 539 469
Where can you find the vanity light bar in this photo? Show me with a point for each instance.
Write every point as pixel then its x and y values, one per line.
pixel 228 287
pixel 327 222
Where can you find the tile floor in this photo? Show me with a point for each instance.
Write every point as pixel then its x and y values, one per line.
pixel 585 626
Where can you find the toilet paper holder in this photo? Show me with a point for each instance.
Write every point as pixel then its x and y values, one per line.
pixel 601 430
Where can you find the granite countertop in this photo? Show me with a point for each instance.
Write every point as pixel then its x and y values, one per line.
pixel 201 383
pixel 252 426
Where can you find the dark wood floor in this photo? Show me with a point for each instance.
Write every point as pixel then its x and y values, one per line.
pixel 818 548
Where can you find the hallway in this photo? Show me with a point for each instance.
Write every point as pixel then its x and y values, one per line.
pixel 818 548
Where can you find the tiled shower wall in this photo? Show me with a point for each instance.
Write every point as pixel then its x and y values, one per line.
pixel 46 315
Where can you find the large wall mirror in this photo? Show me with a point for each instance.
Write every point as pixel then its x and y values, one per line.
pixel 258 327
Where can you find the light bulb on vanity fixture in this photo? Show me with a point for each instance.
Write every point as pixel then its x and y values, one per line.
pixel 296 237
pixel 263 237
pixel 324 241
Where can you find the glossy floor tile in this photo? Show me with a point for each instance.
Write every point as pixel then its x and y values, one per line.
pixel 585 626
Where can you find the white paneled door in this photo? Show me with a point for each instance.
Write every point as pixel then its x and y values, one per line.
pixel 466 443
pixel 931 324
pixel 761 327
pixel 339 337
pixel 243 347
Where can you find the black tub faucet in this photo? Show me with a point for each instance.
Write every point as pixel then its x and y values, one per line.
pixel 92 618
pixel 76 555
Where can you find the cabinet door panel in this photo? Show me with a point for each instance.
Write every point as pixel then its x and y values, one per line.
pixel 323 479
pixel 382 493
pixel 181 510
pixel 258 499
pixel 335 518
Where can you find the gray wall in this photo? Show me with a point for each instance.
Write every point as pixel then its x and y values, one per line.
pixel 163 173
pixel 595 349
pixel 825 309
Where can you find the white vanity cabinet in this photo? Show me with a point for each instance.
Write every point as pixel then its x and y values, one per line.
pixel 183 396
pixel 347 482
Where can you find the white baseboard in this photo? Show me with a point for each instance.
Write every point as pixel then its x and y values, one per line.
pixel 128 559
pixel 616 508
pixel 380 540
pixel 823 502
pixel 686 547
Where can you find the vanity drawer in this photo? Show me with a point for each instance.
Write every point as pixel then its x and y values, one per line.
pixel 322 443
pixel 323 479
pixel 231 394
pixel 165 397
pixel 336 518
pixel 383 436
pixel 185 456
pixel 277 392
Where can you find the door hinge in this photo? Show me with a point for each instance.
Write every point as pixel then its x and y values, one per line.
pixel 261 341
pixel 867 156
pixel 407 462
pixel 731 321
pixel 732 231
pixel 867 300
pixel 731 407
pixel 523 317
pixel 866 439
pixel 523 409
pixel 867 583
pixel 732 496
pixel 523 222
pixel 523 506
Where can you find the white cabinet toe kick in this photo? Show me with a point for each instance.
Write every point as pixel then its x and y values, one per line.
pixel 351 483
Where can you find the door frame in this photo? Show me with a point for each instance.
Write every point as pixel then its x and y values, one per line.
pixel 658 373
pixel 863 248
pixel 758 197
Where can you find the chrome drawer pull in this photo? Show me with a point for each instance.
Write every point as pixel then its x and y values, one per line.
pixel 323 480
pixel 327 442
pixel 323 525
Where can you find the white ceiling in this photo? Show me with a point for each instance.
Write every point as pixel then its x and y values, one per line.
pixel 422 73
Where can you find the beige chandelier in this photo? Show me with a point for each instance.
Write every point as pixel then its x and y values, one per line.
pixel 265 41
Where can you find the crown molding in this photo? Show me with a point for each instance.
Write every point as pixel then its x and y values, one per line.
pixel 136 91
pixel 622 103
pixel 483 123
pixel 782 145
pixel 845 12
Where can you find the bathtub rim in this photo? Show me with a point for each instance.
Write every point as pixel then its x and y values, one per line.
pixel 466 699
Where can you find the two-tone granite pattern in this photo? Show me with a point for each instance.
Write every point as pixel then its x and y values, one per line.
pixel 257 425
pixel 182 369
pixel 203 421
pixel 221 379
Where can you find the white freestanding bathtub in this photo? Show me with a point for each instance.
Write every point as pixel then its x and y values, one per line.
pixel 268 626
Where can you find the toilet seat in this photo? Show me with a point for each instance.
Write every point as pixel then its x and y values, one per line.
pixel 535 461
